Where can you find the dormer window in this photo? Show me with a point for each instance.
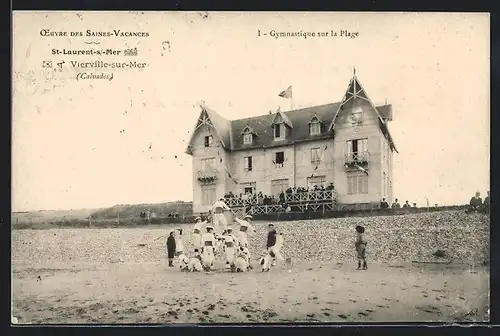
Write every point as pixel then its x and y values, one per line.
pixel 248 133
pixel 279 124
pixel 247 138
pixel 314 126
pixel 279 131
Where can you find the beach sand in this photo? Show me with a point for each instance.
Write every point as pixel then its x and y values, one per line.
pixel 126 292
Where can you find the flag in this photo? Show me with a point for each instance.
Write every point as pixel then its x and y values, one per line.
pixel 287 93
pixel 362 169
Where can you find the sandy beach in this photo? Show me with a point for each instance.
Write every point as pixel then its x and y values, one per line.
pixel 121 275
pixel 154 293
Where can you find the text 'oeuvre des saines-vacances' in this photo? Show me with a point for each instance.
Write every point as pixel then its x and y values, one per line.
pixel 91 33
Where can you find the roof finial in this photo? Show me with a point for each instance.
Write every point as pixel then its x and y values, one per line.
pixel 354 71
pixel 385 101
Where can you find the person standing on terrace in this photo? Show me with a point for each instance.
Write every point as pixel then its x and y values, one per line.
pixel 486 203
pixel 384 204
pixel 396 204
pixel 360 245
pixel 219 219
pixel 475 203
pixel 406 205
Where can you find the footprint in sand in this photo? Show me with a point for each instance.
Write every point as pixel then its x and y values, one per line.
pixel 353 301
pixel 205 312
pixel 386 299
pixel 342 316
pixel 369 310
pixel 223 315
pixel 211 307
pixel 380 306
pixel 326 314
pixel 362 314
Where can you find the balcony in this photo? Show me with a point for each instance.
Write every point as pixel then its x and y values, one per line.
pixel 354 159
pixel 208 175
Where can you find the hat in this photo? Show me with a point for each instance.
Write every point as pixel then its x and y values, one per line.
pixel 197 219
pixel 229 228
pixel 248 216
pixel 209 227
pixel 360 229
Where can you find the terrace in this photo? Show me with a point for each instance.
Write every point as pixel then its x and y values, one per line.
pixel 299 199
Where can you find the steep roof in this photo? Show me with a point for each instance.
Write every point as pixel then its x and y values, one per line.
pixel 231 131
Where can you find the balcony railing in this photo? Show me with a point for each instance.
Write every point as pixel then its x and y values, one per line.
pixel 357 157
pixel 207 175
pixel 318 196
pixel 311 196
pixel 353 160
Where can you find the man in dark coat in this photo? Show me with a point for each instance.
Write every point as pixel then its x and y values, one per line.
pixel 171 249
pixel 486 203
pixel 384 204
pixel 271 241
pixel 475 203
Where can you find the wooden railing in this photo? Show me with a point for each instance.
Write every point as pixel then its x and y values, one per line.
pixel 327 196
pixel 318 196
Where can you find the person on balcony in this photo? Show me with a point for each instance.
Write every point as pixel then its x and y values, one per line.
pixel 396 204
pixel 330 186
pixel 208 252
pixel 384 204
pixel 475 203
pixel 219 219
pixel 406 205
pixel 246 228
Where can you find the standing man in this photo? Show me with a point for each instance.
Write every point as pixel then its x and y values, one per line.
pixel 271 241
pixel 384 204
pixel 196 237
pixel 245 229
pixel 171 249
pixel 208 252
pixel 475 203
pixel 218 218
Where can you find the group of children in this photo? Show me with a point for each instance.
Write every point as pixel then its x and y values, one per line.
pixel 208 245
pixel 235 247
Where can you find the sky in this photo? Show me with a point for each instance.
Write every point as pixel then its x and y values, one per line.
pixel 98 143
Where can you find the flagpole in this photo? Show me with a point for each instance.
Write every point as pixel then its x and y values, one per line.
pixel 291 100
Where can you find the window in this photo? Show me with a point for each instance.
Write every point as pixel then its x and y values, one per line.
pixel 247 138
pixel 357 184
pixel 208 141
pixel 316 181
pixel 357 150
pixel 315 128
pixel 207 164
pixel 207 195
pixel 356 115
pixel 247 163
pixel 248 187
pixel 278 186
pixel 279 132
pixel 279 159
pixel 315 155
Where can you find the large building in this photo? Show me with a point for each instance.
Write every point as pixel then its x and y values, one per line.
pixel 346 143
